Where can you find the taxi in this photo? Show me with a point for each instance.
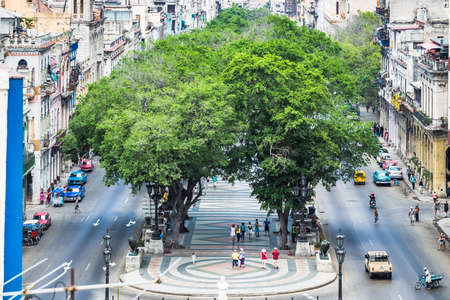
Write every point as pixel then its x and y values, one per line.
pixel 359 177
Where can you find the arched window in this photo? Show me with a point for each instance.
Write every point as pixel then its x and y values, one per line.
pixel 22 64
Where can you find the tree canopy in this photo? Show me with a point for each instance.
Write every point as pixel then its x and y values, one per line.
pixel 251 96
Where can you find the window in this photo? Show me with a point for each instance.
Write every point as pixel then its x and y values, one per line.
pixel 22 64
pixel 171 9
pixel 337 7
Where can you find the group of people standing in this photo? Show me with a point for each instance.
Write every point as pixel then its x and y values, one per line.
pixel 437 206
pixel 238 258
pixel 238 231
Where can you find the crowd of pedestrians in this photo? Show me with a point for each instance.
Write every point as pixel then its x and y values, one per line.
pixel 238 232
pixel 238 259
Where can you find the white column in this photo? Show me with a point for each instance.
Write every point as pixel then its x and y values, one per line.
pixel 4 87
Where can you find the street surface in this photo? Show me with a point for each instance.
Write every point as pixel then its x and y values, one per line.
pixel 74 236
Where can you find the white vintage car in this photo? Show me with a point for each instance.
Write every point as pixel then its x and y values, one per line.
pixel 377 263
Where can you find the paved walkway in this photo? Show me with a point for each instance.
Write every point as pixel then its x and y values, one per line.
pixel 209 238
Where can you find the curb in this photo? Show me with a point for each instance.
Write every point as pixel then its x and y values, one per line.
pixel 234 295
pixel 438 227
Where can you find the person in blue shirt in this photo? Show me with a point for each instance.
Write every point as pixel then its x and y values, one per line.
pixel 243 231
pixel 266 226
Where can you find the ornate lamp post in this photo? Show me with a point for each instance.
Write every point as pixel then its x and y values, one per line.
pixel 305 193
pixel 156 195
pixel 107 257
pixel 340 255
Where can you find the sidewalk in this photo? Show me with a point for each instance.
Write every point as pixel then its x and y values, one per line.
pixel 209 238
pixel 181 277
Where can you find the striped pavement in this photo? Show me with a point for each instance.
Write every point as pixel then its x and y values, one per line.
pixel 209 238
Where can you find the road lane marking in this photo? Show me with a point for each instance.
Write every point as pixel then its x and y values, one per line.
pixel 115 218
pixel 101 242
pixel 96 222
pixel 131 223
pixel 87 267
pixel 370 242
pixel 400 297
pixel 126 200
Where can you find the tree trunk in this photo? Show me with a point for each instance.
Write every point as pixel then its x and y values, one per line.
pixel 283 216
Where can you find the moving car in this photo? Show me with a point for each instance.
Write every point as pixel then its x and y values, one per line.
pixel 377 263
pixel 44 218
pixel 57 197
pixel 395 172
pixel 388 163
pixel 381 177
pixel 74 193
pixel 359 177
pixel 87 165
pixel 77 178
pixel 382 157
pixel 31 232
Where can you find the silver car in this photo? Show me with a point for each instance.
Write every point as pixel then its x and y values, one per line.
pixel 395 172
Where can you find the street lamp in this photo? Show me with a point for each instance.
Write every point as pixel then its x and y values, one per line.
pixel 107 257
pixel 156 195
pixel 304 193
pixel 340 255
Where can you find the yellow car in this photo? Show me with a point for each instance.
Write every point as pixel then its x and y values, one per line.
pixel 359 177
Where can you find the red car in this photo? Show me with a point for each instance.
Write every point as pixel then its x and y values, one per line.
pixel 87 165
pixel 44 218
pixel 388 163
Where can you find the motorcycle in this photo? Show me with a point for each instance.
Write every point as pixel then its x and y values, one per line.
pixel 372 201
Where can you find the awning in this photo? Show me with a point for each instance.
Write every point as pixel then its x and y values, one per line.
pixel 429 46
pixel 416 84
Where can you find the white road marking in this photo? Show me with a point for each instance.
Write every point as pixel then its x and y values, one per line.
pixel 309 296
pixel 400 297
pixel 131 223
pixel 87 267
pixel 96 222
pixel 126 200
pixel 370 242
pixel 115 218
pixel 101 242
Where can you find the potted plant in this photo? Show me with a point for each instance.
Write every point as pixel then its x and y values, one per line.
pixel 444 122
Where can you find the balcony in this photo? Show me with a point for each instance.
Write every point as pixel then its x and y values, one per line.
pixel 28 162
pixel 48 88
pixel 432 64
pixel 422 117
pixel 45 141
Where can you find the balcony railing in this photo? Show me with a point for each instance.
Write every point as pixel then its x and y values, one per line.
pixel 422 117
pixel 434 64
pixel 48 88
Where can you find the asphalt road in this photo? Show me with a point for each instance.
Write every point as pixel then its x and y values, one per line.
pixel 73 237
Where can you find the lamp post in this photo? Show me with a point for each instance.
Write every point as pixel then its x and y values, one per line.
pixel 156 195
pixel 340 255
pixel 107 257
pixel 304 193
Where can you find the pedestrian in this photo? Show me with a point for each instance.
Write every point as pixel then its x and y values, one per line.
pixel 233 233
pixel 416 213
pixel 235 259
pixel 214 179
pixel 263 258
pixel 375 214
pixel 238 233
pixel 256 228
pixel 275 255
pixel 437 208
pixel 411 215
pixel 250 230
pixel 413 181
pixel 421 186
pixel 293 232
pixel 408 170
pixel 243 229
pixel 266 227
pixel 442 241
pixel 367 107
pixel 242 258
pixel 435 197
pixel 41 196
pixel 446 208
pixel 47 200
pixel 193 258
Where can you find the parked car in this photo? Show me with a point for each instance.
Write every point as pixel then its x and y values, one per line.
pixel 388 163
pixel 74 193
pixel 381 177
pixel 44 218
pixel 377 263
pixel 383 150
pixel 87 165
pixel 395 172
pixel 77 178
pixel 382 157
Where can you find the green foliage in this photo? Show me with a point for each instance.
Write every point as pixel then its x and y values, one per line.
pixel 251 96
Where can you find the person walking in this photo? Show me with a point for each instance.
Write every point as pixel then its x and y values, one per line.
pixel 375 214
pixel 233 233
pixel 47 200
pixel 238 233
pixel 408 170
pixel 275 255
pixel 437 208
pixel 266 227
pixel 242 259
pixel 243 230
pixel 446 208
pixel 42 196
pixel 421 186
pixel 263 258
pixel 435 197
pixel 235 259
pixel 194 257
pixel 214 179
pixel 256 229
pixel 411 215
pixel 413 181
pixel 250 230
pixel 442 241
pixel 416 213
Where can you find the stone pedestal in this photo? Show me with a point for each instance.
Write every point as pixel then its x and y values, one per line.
pixel 324 265
pixel 155 247
pixel 133 262
pixel 312 237
pixel 304 249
